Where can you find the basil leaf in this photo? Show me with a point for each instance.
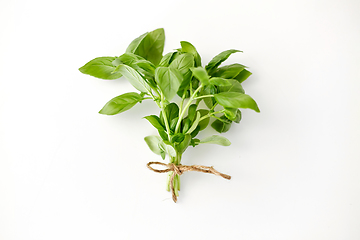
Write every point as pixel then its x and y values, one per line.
pixel 150 46
pixel 192 112
pixel 127 59
pixel 183 63
pixel 155 121
pixel 101 67
pixel 163 134
pixel 222 125
pixel 166 59
pixel 168 80
pixel 135 43
pixel 186 126
pixel 207 90
pixel 238 116
pixel 133 77
pixel 121 103
pixel 218 59
pixel 173 123
pixel 171 111
pixel 243 75
pixel 147 67
pixel 215 139
pixel 234 86
pixel 203 123
pixel 201 74
pixel 170 150
pixel 153 143
pixel 195 124
pixel 194 142
pixel 189 48
pixel 177 138
pixel 229 71
pixel 217 81
pixel 230 113
pixel 236 100
pixel 184 144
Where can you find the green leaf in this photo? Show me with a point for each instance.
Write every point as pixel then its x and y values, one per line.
pixel 166 59
pixel 134 78
pixel 207 90
pixel 238 116
pixel 163 134
pixel 173 123
pixel 127 59
pixel 192 112
pixel 215 139
pixel 184 144
pixel 243 75
pixel 147 67
pixel 217 81
pixel 186 125
pixel 101 67
pixel 183 63
pixel 236 100
pixel 229 71
pixel 155 121
pixel 222 125
pixel 205 122
pixel 195 124
pixel 168 80
pixel 171 111
pixel 234 86
pixel 194 142
pixel 135 43
pixel 177 138
pixel 149 46
pixel 121 103
pixel 218 59
pixel 189 48
pixel 201 74
pixel 153 143
pixel 230 113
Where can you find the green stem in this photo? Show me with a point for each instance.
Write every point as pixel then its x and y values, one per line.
pixel 164 115
pixel 186 107
pixel 204 96
pixel 209 115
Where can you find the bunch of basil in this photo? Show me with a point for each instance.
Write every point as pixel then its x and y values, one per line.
pixel 161 78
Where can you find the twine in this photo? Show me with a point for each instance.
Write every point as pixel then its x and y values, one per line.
pixel 180 169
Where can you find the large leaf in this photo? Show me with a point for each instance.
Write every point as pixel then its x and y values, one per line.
pixel 133 77
pixel 150 46
pixel 183 63
pixel 189 48
pixel 166 59
pixel 201 74
pixel 218 59
pixel 101 67
pixel 229 71
pixel 121 103
pixel 215 139
pixel 236 100
pixel 169 80
pixel 153 142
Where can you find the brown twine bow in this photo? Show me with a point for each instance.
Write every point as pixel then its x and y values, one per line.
pixel 180 169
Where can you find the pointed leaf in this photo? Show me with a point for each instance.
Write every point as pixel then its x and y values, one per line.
pixel 243 75
pixel 155 121
pixel 121 103
pixel 236 100
pixel 134 78
pixel 135 43
pixel 153 143
pixel 168 80
pixel 195 124
pixel 217 81
pixel 215 139
pixel 101 67
pixel 234 86
pixel 218 59
pixel 229 71
pixel 201 74
pixel 189 48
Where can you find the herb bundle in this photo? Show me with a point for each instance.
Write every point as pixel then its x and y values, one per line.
pixel 160 78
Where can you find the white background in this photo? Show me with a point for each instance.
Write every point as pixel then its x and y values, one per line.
pixel 67 172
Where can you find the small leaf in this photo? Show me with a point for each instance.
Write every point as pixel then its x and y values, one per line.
pixel 238 116
pixel 183 63
pixel 192 112
pixel 205 122
pixel 243 75
pixel 236 100
pixel 184 144
pixel 134 78
pixel 163 134
pixel 101 67
pixel 166 59
pixel 215 139
pixel 155 121
pixel 189 48
pixel 207 90
pixel 217 81
pixel 195 124
pixel 201 74
pixel 230 113
pixel 218 59
pixel 177 138
pixel 170 150
pixel 153 143
pixel 222 125
pixel 194 142
pixel 168 80
pixel 121 103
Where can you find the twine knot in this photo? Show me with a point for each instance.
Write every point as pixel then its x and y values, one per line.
pixel 180 169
